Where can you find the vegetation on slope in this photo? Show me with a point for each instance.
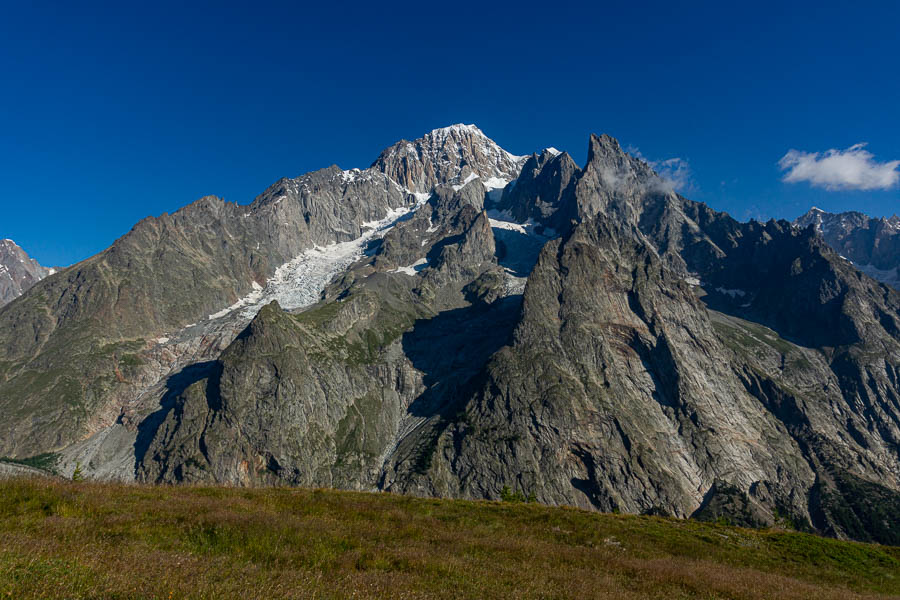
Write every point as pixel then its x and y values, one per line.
pixel 88 540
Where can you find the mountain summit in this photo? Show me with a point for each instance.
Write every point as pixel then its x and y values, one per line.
pixel 451 154
pixel 18 271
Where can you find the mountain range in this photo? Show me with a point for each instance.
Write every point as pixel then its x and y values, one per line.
pixel 872 245
pixel 459 321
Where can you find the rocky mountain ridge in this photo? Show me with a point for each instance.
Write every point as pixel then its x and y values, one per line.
pixel 586 336
pixel 871 244
pixel 18 271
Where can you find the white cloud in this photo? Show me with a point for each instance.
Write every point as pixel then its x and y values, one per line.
pixel 850 169
pixel 674 173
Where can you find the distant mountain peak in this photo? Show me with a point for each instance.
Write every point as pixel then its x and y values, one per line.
pixel 872 244
pixel 18 271
pixel 816 212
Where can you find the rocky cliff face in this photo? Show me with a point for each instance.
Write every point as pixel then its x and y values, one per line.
pixel 544 191
pixel 872 245
pixel 623 390
pixel 612 395
pixel 586 337
pixel 18 271
pixel 318 398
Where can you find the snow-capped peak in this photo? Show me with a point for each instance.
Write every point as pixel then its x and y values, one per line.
pixel 442 133
pixel 456 128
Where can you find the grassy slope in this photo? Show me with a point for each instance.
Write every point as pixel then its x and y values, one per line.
pixel 90 540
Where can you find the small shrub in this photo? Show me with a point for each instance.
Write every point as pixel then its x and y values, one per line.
pixel 507 495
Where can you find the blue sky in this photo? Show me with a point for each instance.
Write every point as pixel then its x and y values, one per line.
pixel 113 112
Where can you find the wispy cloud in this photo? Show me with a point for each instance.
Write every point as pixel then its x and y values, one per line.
pixel 674 173
pixel 850 169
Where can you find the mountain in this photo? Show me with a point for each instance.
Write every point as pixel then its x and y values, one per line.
pixel 458 321
pixel 112 328
pixel 872 245
pixel 18 271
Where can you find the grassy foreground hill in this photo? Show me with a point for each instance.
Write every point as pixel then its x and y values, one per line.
pixel 90 540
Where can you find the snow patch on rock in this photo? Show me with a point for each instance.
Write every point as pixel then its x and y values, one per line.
pixel 734 293
pixel 251 298
pixel 471 177
pixel 522 243
pixel 412 269
pixel 299 282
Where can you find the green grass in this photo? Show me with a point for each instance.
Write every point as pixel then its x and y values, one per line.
pixel 89 540
pixel 750 336
pixel 363 346
pixel 46 462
